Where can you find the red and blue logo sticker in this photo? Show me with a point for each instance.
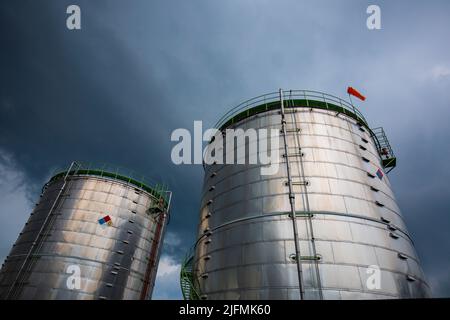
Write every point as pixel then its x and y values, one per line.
pixel 105 221
pixel 379 174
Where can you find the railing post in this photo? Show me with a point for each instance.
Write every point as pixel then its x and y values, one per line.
pixel 103 169
pixel 324 100
pixel 341 105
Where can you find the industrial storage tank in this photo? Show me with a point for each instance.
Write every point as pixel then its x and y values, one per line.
pixel 95 233
pixel 325 226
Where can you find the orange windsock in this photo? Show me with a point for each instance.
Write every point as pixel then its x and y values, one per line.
pixel 355 93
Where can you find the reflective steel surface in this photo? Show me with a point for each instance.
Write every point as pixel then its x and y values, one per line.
pixel 115 262
pixel 245 247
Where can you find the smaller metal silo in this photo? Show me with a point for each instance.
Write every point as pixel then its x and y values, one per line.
pixel 95 233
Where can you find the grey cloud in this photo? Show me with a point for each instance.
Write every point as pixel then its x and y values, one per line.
pixel 137 70
pixel 15 205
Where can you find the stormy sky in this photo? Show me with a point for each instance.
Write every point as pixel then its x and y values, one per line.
pixel 116 89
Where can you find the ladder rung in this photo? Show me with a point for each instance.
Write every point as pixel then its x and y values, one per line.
pixel 301 183
pixel 302 214
pixel 313 258
pixel 293 130
pixel 306 258
pixel 298 183
pixel 301 154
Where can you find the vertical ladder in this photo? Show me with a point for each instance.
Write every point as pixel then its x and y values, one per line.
pixel 291 199
pixel 314 258
pixel 32 254
pixel 160 221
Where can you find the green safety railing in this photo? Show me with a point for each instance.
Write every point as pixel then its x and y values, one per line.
pixel 304 98
pixel 388 158
pixel 158 190
pixel 310 99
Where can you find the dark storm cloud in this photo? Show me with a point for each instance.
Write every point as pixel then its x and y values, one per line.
pixel 115 90
pixel 82 95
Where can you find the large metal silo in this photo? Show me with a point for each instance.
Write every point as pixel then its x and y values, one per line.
pixel 94 234
pixel 346 238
